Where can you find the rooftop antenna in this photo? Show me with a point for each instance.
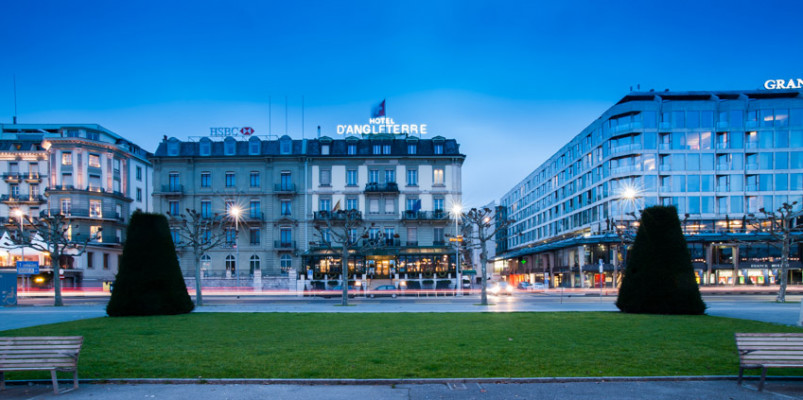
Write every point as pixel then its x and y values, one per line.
pixel 319 131
pixel 285 114
pixel 15 98
pixel 302 116
pixel 270 120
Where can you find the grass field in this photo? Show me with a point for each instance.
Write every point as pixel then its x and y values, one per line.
pixel 406 345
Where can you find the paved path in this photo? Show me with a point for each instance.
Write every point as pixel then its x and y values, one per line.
pixel 638 390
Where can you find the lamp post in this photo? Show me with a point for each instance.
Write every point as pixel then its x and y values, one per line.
pixel 628 194
pixel 18 212
pixel 234 212
pixel 456 212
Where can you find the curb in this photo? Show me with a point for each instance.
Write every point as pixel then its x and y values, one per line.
pixel 422 381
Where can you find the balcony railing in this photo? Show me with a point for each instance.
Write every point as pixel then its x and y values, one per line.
pixel 254 216
pixel 382 187
pixel 391 242
pixel 173 188
pixel 284 188
pixel 12 177
pixel 424 215
pixel 23 198
pixel 86 213
pixel 335 215
pixel 281 244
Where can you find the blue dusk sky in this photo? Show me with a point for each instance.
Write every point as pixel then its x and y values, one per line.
pixel 511 81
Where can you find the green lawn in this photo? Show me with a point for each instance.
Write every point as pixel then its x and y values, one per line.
pixel 404 345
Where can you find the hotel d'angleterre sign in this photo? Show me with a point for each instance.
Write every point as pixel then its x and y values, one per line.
pixel 380 124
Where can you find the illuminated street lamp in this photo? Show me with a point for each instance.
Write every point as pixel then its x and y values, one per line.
pixel 234 212
pixel 457 211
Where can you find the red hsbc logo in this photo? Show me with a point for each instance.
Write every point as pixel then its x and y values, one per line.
pixel 247 130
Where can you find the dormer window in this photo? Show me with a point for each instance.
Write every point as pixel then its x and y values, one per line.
pixel 172 147
pixel 205 147
pixel 377 149
pixel 352 149
pixel 386 149
pixel 285 145
pixel 254 146
pixel 438 149
pixel 229 146
pixel 325 149
pixel 412 148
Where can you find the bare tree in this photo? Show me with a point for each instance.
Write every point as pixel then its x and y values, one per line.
pixel 52 234
pixel 624 231
pixel 781 225
pixel 343 230
pixel 485 224
pixel 199 234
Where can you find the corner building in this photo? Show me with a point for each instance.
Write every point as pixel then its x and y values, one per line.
pixel 718 156
pixel 401 185
pixel 84 171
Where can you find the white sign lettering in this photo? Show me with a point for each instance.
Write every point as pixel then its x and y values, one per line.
pixel 382 125
pixel 783 84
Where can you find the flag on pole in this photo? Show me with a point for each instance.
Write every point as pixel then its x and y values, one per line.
pixel 416 206
pixel 337 206
pixel 378 110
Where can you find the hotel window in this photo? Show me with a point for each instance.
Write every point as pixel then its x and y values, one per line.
pixel 94 160
pixel 90 260
pixel 253 179
pixel 411 203
pixel 286 181
pixel 286 236
pixel 386 149
pixel 412 149
pixel 173 208
pixel 352 203
pixel 353 235
pixel 94 234
pixel 373 206
pixel 229 146
pixel 325 149
pixel 286 207
pixel 231 265
pixel 438 149
pixel 206 209
pixel 373 233
pixel 377 149
pixel 95 209
pixel 206 179
pixel 205 147
pixel 231 236
pixel 412 236
pixel 437 204
pixel 351 177
pixel 373 176
pixel 139 194
pixel 66 206
pixel 286 263
pixel 285 146
pixel 117 165
pixel 324 204
pixel 255 209
pixel 253 146
pixel 437 236
pixel 412 177
pixel 352 149
pixel 139 173
pixel 389 236
pixel 390 206
pixel 255 236
pixel 437 176
pixel 326 177
pixel 176 236
pixel 254 260
pixel 173 182
pixel 231 179
pixel 66 158
pixel 390 176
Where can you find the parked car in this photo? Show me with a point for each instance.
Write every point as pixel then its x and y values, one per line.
pixel 524 285
pixel 501 288
pixel 384 291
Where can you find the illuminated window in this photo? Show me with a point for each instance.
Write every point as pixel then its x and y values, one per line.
pixel 66 158
pixel 94 234
pixel 95 210
pixel 437 176
pixel 94 160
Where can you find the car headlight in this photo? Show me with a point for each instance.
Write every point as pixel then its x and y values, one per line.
pixel 510 288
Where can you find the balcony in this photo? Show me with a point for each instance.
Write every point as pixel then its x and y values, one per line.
pixel 335 215
pixel 23 198
pixel 254 217
pixel 173 189
pixel 627 127
pixel 87 213
pixel 284 245
pixel 32 177
pixel 389 242
pixel 285 188
pixel 12 177
pixel 628 148
pixel 374 187
pixel 424 215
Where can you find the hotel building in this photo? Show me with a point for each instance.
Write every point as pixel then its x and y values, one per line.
pixel 401 185
pixel 718 156
pixel 84 171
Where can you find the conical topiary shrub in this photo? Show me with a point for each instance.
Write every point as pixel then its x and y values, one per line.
pixel 149 280
pixel 659 278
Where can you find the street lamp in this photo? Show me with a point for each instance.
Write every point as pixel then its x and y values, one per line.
pixel 457 210
pixel 234 212
pixel 628 194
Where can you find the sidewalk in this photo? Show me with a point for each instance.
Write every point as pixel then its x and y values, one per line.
pixel 593 389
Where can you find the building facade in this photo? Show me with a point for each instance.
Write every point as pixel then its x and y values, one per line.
pixel 83 171
pixel 719 157
pixel 400 185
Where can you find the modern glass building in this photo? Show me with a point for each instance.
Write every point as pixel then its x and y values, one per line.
pixel 718 156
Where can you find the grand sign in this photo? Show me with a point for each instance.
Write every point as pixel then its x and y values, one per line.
pixel 231 131
pixel 382 125
pixel 783 84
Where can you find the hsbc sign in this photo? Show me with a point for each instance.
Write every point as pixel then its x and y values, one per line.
pixel 231 131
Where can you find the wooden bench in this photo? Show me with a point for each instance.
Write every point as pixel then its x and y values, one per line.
pixel 769 350
pixel 40 353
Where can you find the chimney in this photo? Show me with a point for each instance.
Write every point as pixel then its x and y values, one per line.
pixel 319 131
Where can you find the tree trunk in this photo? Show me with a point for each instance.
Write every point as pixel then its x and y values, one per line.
pixel 784 261
pixel 483 261
pixel 54 262
pixel 344 267
pixel 199 300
